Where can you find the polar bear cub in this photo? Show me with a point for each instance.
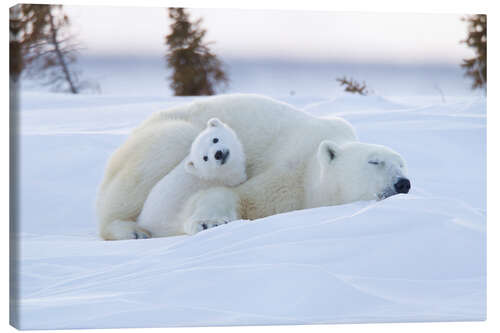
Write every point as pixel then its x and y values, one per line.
pixel 336 174
pixel 216 159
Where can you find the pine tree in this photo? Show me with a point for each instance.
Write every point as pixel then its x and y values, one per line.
pixel 476 67
pixel 41 47
pixel 196 70
pixel 26 25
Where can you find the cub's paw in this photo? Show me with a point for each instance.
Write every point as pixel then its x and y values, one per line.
pixel 207 224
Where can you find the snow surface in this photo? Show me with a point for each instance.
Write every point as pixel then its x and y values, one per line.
pixel 416 257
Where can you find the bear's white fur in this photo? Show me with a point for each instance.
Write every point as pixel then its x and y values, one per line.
pixel 216 158
pixel 217 155
pixel 279 142
pixel 338 174
pixel 210 208
pixel 353 171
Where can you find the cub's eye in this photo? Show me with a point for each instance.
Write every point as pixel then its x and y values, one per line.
pixel 205 158
pixel 374 162
pixel 215 140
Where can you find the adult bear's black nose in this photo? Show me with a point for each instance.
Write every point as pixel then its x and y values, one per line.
pixel 402 185
pixel 218 155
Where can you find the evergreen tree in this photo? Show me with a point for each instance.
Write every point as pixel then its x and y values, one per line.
pixel 41 46
pixel 26 25
pixel 196 70
pixel 476 67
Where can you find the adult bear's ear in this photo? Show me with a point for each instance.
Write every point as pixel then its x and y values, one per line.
pixel 189 167
pixel 327 152
pixel 214 122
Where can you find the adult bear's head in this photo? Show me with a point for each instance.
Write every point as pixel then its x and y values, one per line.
pixel 359 171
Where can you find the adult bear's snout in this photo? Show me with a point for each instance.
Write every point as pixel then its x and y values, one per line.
pixel 402 185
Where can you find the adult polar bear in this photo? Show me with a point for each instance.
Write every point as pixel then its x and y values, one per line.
pixel 279 141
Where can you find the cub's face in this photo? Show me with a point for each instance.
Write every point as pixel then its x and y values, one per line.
pixel 359 171
pixel 217 154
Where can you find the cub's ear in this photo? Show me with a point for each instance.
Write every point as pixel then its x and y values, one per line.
pixel 327 152
pixel 214 122
pixel 189 167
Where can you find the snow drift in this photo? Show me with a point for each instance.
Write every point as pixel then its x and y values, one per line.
pixel 416 257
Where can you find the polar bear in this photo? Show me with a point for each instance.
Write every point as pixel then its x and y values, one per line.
pixel 280 143
pixel 216 158
pixel 338 174
pixel 355 171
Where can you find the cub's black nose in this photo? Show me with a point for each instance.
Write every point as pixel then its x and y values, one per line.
pixel 402 185
pixel 218 155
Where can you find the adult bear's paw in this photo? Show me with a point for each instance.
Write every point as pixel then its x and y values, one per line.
pixel 121 230
pixel 140 233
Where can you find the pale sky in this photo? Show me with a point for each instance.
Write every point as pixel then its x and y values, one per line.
pixel 309 35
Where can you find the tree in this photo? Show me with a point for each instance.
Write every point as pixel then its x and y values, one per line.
pixel 26 25
pixel 476 39
pixel 196 70
pixel 353 86
pixel 41 47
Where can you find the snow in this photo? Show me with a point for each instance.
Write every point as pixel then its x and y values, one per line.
pixel 415 257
